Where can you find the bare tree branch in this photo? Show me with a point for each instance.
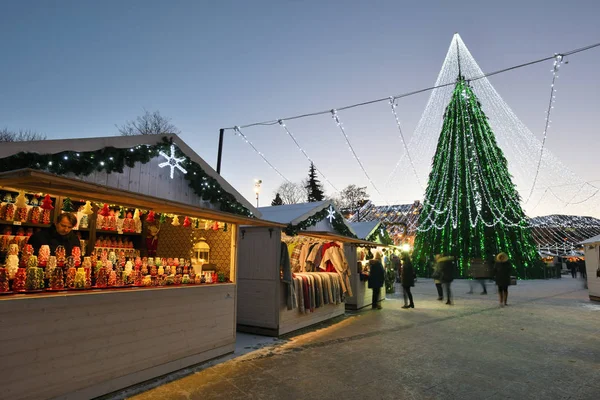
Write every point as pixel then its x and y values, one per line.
pixel 148 124
pixel 22 135
pixel 291 193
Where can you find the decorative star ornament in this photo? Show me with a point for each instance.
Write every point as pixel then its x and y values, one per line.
pixel 172 161
pixel 330 214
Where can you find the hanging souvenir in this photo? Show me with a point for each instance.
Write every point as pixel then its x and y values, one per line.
pixel 87 208
pixel 150 218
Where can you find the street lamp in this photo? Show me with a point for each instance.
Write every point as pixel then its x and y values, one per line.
pixel 257 183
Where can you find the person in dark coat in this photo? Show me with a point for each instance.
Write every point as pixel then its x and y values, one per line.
pixel 447 270
pixel 573 267
pixel 59 234
pixel 503 269
pixel 376 279
pixel 407 278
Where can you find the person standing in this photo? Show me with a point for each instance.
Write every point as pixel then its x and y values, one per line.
pixel 503 269
pixel 407 278
pixel 447 268
pixel 573 267
pixel 376 279
pixel 437 277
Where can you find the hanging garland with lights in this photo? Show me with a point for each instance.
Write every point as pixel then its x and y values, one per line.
pixel 336 221
pixel 111 159
pixel 382 236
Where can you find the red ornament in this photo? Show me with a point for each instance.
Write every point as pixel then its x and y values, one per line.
pixel 187 222
pixel 150 217
pixel 105 212
pixel 47 203
pixel 216 226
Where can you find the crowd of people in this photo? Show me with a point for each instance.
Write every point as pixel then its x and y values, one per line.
pixel 443 274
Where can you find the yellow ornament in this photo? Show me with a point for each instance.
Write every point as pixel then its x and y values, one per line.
pixel 136 215
pixel 87 208
pixel 21 201
pixel 175 221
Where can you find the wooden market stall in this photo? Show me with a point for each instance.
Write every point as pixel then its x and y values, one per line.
pixel 592 266
pixel 373 232
pixel 153 289
pixel 269 302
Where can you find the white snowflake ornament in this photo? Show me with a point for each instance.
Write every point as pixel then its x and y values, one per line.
pixel 172 161
pixel 330 214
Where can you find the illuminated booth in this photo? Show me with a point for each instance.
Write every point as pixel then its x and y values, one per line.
pixel 296 275
pixel 152 287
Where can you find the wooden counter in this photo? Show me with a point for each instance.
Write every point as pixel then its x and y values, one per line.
pixel 83 345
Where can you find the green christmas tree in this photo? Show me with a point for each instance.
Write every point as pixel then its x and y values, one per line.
pixel 314 187
pixel 67 205
pixel 472 208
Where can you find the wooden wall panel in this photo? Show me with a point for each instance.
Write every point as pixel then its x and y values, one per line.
pixel 258 277
pixel 592 258
pixel 151 180
pixel 56 345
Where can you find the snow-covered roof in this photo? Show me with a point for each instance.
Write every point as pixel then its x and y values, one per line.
pixel 293 213
pixel 364 229
pixel 120 142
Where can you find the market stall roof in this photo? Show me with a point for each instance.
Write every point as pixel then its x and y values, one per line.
pixel 298 216
pixel 293 213
pixel 365 229
pixel 594 239
pixel 39 181
pixel 45 147
pixel 336 237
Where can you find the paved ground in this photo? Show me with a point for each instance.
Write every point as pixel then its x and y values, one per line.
pixel 544 345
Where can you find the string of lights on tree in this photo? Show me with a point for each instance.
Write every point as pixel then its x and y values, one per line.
pixel 111 160
pixel 557 63
pixel 470 199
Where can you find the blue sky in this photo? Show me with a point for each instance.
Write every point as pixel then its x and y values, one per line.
pixel 77 68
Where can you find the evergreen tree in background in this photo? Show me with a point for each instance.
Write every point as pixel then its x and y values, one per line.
pixel 277 200
pixel 313 186
pixel 472 208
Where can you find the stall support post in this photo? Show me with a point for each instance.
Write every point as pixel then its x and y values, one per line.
pixel 220 151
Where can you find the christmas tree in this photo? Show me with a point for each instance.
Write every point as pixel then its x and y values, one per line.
pixel 277 201
pixel 67 205
pixel 313 186
pixel 472 208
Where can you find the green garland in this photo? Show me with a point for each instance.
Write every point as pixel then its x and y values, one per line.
pixel 378 237
pixel 338 224
pixel 110 159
